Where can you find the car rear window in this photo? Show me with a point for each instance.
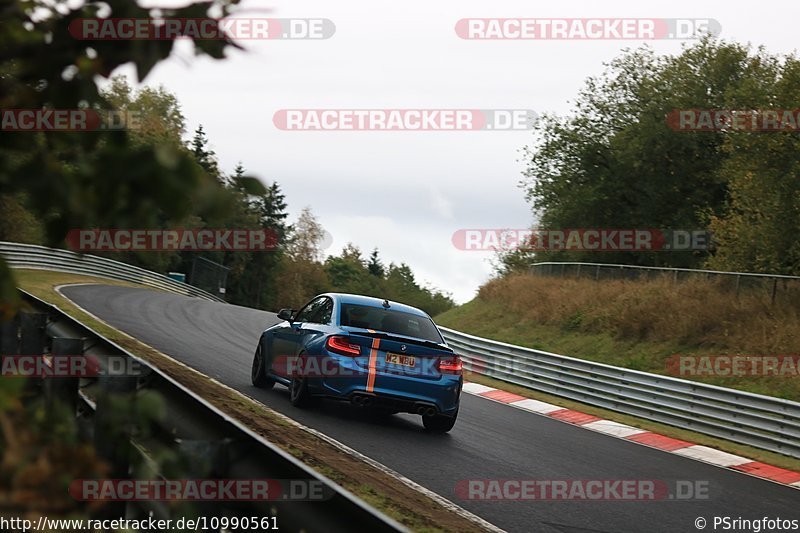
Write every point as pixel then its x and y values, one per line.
pixel 389 321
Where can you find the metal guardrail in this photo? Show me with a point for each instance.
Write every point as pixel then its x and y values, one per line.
pixel 760 421
pixel 753 419
pixel 30 256
pixel 589 269
pixel 207 438
pixel 734 281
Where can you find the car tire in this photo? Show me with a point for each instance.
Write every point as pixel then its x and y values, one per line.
pixel 258 373
pixel 439 423
pixel 299 394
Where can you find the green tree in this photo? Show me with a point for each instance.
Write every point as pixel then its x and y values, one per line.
pixel 300 275
pixel 238 172
pixel 87 179
pixel 348 272
pixel 17 223
pixel 615 163
pixel 155 113
pixel 375 266
pixel 270 209
pixel 759 228
pixel 204 156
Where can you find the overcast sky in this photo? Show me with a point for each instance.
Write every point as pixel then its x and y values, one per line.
pixel 407 192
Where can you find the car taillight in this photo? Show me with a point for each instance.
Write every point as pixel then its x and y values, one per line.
pixel 342 346
pixel 451 365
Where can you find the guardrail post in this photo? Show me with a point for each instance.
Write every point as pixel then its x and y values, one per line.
pixel 32 341
pixel 32 333
pixel 63 390
pixel 9 337
pixel 112 432
pixel 774 289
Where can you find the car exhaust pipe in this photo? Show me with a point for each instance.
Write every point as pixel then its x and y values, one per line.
pixel 421 410
pixel 430 411
pixel 362 400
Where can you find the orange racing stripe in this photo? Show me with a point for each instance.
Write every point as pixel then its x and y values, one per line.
pixel 373 357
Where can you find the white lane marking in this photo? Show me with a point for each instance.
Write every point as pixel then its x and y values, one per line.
pixel 696 452
pixel 609 427
pixel 441 500
pixel 476 388
pixel 710 455
pixel 536 406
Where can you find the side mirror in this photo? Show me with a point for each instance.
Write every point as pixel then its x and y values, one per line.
pixel 285 314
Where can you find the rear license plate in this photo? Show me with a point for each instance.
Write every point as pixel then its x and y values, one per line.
pixel 400 359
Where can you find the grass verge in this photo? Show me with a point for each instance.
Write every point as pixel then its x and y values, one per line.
pixel 637 325
pixel 642 325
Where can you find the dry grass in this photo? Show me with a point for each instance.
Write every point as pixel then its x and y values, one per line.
pixel 695 312
pixel 639 324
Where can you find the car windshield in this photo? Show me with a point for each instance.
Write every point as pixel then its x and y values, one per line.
pixel 389 321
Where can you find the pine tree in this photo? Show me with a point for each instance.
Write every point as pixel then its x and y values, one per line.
pixel 204 156
pixel 238 171
pixel 375 266
pixel 271 210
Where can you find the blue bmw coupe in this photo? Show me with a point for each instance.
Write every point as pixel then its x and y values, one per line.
pixel 376 354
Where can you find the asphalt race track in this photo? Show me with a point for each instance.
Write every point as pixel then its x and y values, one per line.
pixel 489 441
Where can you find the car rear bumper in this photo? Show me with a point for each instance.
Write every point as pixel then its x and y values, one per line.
pixel 395 403
pixel 399 393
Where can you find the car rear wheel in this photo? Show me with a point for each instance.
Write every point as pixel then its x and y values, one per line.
pixel 258 373
pixel 299 394
pixel 439 423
